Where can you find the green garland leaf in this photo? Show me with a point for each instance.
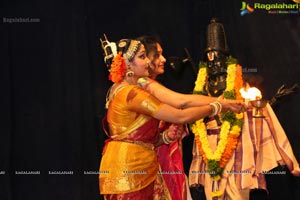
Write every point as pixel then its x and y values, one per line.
pixel 214 168
pixel 229 94
pixel 239 122
pixel 202 64
pixel 229 116
pixel 231 60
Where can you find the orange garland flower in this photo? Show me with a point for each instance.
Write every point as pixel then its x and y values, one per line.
pixel 200 148
pixel 238 81
pixel 118 69
pixel 230 147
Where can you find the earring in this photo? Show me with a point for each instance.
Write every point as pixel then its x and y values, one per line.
pixel 130 73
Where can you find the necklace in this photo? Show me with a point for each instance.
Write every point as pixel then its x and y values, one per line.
pixel 230 129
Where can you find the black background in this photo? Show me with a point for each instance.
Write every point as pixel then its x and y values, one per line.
pixel 53 81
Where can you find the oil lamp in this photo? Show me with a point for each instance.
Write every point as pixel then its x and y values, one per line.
pixel 253 95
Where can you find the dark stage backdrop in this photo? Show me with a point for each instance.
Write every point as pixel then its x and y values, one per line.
pixel 53 82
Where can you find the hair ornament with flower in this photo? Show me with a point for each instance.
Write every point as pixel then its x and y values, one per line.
pixel 113 60
pixel 116 62
pixel 118 69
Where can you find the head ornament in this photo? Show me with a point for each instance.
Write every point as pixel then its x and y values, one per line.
pixel 116 55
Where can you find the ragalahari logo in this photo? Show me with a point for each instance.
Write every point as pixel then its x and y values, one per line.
pixel 271 8
pixel 246 9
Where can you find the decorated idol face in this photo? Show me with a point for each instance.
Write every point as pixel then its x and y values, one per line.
pixel 216 64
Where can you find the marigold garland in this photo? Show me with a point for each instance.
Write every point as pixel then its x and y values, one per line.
pixel 118 68
pixel 231 123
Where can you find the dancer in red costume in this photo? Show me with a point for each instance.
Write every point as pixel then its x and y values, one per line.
pixel 169 155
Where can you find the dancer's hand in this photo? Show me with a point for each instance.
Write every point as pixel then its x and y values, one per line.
pixel 175 131
pixel 237 106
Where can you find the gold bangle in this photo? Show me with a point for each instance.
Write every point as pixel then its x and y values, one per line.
pixel 166 138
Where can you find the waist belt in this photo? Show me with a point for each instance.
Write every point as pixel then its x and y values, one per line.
pixel 143 144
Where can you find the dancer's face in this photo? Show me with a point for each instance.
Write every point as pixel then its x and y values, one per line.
pixel 157 61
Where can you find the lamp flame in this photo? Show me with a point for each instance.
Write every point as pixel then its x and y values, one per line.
pixel 250 93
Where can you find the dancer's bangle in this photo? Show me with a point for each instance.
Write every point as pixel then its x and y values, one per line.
pixel 216 108
pixel 166 138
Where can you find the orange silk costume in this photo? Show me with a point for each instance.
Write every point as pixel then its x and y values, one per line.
pixel 129 162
